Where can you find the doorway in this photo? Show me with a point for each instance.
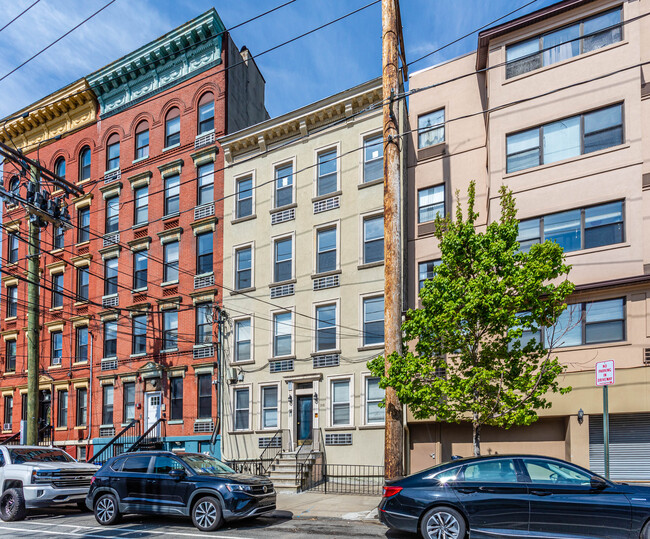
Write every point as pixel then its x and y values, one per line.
pixel 304 418
pixel 153 407
pixel 44 408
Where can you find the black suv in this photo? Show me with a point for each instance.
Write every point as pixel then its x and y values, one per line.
pixel 189 484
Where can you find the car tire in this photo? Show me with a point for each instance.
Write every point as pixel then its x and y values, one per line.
pixel 645 532
pixel 207 515
pixel 12 505
pixel 107 510
pixel 444 519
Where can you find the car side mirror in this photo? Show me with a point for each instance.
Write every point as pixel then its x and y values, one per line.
pixel 177 474
pixel 597 483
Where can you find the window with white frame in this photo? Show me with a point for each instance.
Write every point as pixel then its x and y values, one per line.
pixel 373 321
pixel 431 203
pixel 243 268
pixel 242 408
pixel 282 259
pixel 141 211
pixel 325 328
pixel 431 128
pixel 340 402
pixel 205 174
pixel 57 348
pixel 244 197
pixel 373 158
pixel 282 334
pixel 170 261
pixel 326 182
pixel 373 239
pixel 170 329
pixel 270 407
pixel 326 250
pixel 374 396
pixel 426 271
pixel 284 185
pixel 243 340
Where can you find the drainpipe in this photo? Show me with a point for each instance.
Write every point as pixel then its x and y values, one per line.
pixel 219 383
pixel 90 396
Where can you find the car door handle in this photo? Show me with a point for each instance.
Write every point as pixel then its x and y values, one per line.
pixel 540 492
pixel 487 489
pixel 466 490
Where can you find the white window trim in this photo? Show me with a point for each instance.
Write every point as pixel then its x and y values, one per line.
pixel 337 303
pixel 445 109
pixel 233 362
pixel 444 201
pixel 280 164
pixel 317 228
pixel 293 333
pixel 253 175
pixel 234 407
pixel 362 297
pixel 323 149
pixel 261 407
pixel 239 247
pixel 362 159
pixel 368 215
pixel 330 408
pixel 274 239
pixel 364 402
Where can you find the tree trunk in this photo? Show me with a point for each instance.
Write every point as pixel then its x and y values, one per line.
pixel 476 438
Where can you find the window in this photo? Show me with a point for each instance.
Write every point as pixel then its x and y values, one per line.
pixel 9 412
pixel 57 348
pixel 574 230
pixel 269 407
pixel 431 203
pixel 84 164
pixel 431 128
pixel 425 271
pixel 283 185
pixel 23 406
pixel 373 158
pixel 491 471
pixel 113 152
pixel 373 239
pixel 244 189
pixel 170 255
pixel 110 339
pixel 325 328
pixel 204 323
pixel 170 329
pixel 138 464
pixel 59 237
pixel 243 268
pixel 243 340
pixel 374 396
pixel 10 363
pixel 283 269
pixel 164 465
pixel 142 140
pixel 204 244
pixel 242 408
pixel 204 382
pixel 82 344
pixel 326 250
pixel 340 402
pixel 565 138
pixel 206 113
pixel 12 248
pixel 141 198
pixel 12 301
pixel 326 181
pixel 82 407
pixel 139 334
pixel 59 167
pixel 176 398
pixel 558 45
pixel 281 334
pixel 112 214
pixel 128 408
pixel 555 473
pixel 107 404
pixel 140 262
pixel 110 276
pixel 173 128
pixel 83 225
pixel 82 284
pixel 57 290
pixel 373 321
pixel 206 183
pixel 172 194
pixel 62 411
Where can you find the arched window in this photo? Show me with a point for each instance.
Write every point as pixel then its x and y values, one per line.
pixel 206 113
pixel 113 152
pixel 59 167
pixel 142 140
pixel 173 127
pixel 84 164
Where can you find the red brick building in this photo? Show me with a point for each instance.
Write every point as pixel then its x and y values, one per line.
pixel 129 298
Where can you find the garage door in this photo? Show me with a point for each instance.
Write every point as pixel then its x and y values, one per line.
pixel 629 446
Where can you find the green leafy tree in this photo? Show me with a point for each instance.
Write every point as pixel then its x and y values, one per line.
pixel 478 354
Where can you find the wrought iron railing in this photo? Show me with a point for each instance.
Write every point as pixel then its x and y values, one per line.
pixel 125 438
pixel 14 439
pixel 342 478
pixel 153 435
pixel 273 448
pixel 248 466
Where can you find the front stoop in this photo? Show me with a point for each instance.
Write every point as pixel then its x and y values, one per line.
pixel 284 470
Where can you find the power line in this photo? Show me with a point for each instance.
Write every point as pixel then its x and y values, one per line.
pixel 20 14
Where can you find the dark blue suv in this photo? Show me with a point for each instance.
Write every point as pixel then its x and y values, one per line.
pixel 188 484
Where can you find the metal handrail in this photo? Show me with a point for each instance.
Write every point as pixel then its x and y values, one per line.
pixel 14 439
pixel 137 443
pixel 114 439
pixel 271 451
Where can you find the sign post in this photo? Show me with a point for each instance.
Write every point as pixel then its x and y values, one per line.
pixel 605 378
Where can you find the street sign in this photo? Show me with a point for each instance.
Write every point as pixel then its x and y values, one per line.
pixel 605 373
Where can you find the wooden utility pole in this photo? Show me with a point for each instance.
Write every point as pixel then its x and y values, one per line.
pixel 393 447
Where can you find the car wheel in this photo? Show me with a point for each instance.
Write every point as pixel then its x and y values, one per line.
pixel 12 505
pixel 443 523
pixel 645 532
pixel 206 514
pixel 106 510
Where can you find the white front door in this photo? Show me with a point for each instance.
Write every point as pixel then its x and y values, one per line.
pixel 152 410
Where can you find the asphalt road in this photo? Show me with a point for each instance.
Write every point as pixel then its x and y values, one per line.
pixel 64 522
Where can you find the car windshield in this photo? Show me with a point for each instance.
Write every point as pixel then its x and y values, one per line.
pixel 204 465
pixel 21 455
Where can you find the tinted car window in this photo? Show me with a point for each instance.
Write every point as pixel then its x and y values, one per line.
pixel 22 455
pixel 491 471
pixel 555 473
pixel 116 465
pixel 164 465
pixel 446 475
pixel 136 465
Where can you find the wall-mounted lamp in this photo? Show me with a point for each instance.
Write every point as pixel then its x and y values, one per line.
pixel 290 400
pixel 581 416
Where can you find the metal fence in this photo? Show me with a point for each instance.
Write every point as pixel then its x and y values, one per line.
pixel 342 478
pixel 250 466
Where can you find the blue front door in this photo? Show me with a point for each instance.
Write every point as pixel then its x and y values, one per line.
pixel 304 419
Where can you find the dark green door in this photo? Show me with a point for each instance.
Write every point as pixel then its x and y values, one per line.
pixel 304 418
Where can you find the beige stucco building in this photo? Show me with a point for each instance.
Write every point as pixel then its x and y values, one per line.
pixel 554 105
pixel 304 280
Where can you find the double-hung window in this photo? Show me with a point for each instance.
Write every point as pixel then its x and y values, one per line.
pixel 110 276
pixel 139 334
pixel 12 301
pixel 373 239
pixel 340 402
pixel 325 328
pixel 62 409
pixel 204 394
pixel 206 183
pixel 81 348
pixel 374 396
pixel 83 225
pixel 243 268
pixel 170 261
pixel 204 323
pixel 244 204
pixel 204 248
pixel 59 167
pixel 10 349
pixel 172 194
pixel 283 185
pixel 82 407
pixel 176 397
pixel 242 408
pixel 128 405
pixel 173 128
pixel 426 271
pixel 282 334
pixel 431 128
pixel 326 250
pixel 59 237
pixel 270 407
pixel 84 164
pixel 327 181
pixel 142 140
pixel 82 284
pixel 373 158
pixel 57 290
pixel 373 321
pixel 12 248
pixel 170 329
pixel 431 203
pixel 140 271
pixel 112 214
pixel 243 340
pixel 206 113
pixel 141 211
pixel 113 153
pixel 110 339
pixel 57 348
pixel 283 260
pixel 107 404
pixel 9 411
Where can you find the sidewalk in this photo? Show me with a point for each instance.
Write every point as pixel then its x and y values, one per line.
pixel 308 505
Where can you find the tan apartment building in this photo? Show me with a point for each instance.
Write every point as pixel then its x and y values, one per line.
pixel 304 280
pixel 554 105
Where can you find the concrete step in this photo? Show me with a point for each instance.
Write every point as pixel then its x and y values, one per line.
pixel 279 476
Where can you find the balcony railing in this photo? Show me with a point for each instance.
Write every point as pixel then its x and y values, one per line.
pixel 112 175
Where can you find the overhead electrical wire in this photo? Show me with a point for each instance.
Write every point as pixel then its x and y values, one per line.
pixel 20 14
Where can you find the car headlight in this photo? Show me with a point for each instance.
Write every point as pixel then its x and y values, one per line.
pixel 41 477
pixel 238 487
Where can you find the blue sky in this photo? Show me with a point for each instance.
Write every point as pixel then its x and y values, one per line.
pixel 331 60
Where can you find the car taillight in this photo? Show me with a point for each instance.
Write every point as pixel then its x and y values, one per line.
pixel 92 479
pixel 391 491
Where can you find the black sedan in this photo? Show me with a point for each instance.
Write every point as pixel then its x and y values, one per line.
pixel 515 496
pixel 187 484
